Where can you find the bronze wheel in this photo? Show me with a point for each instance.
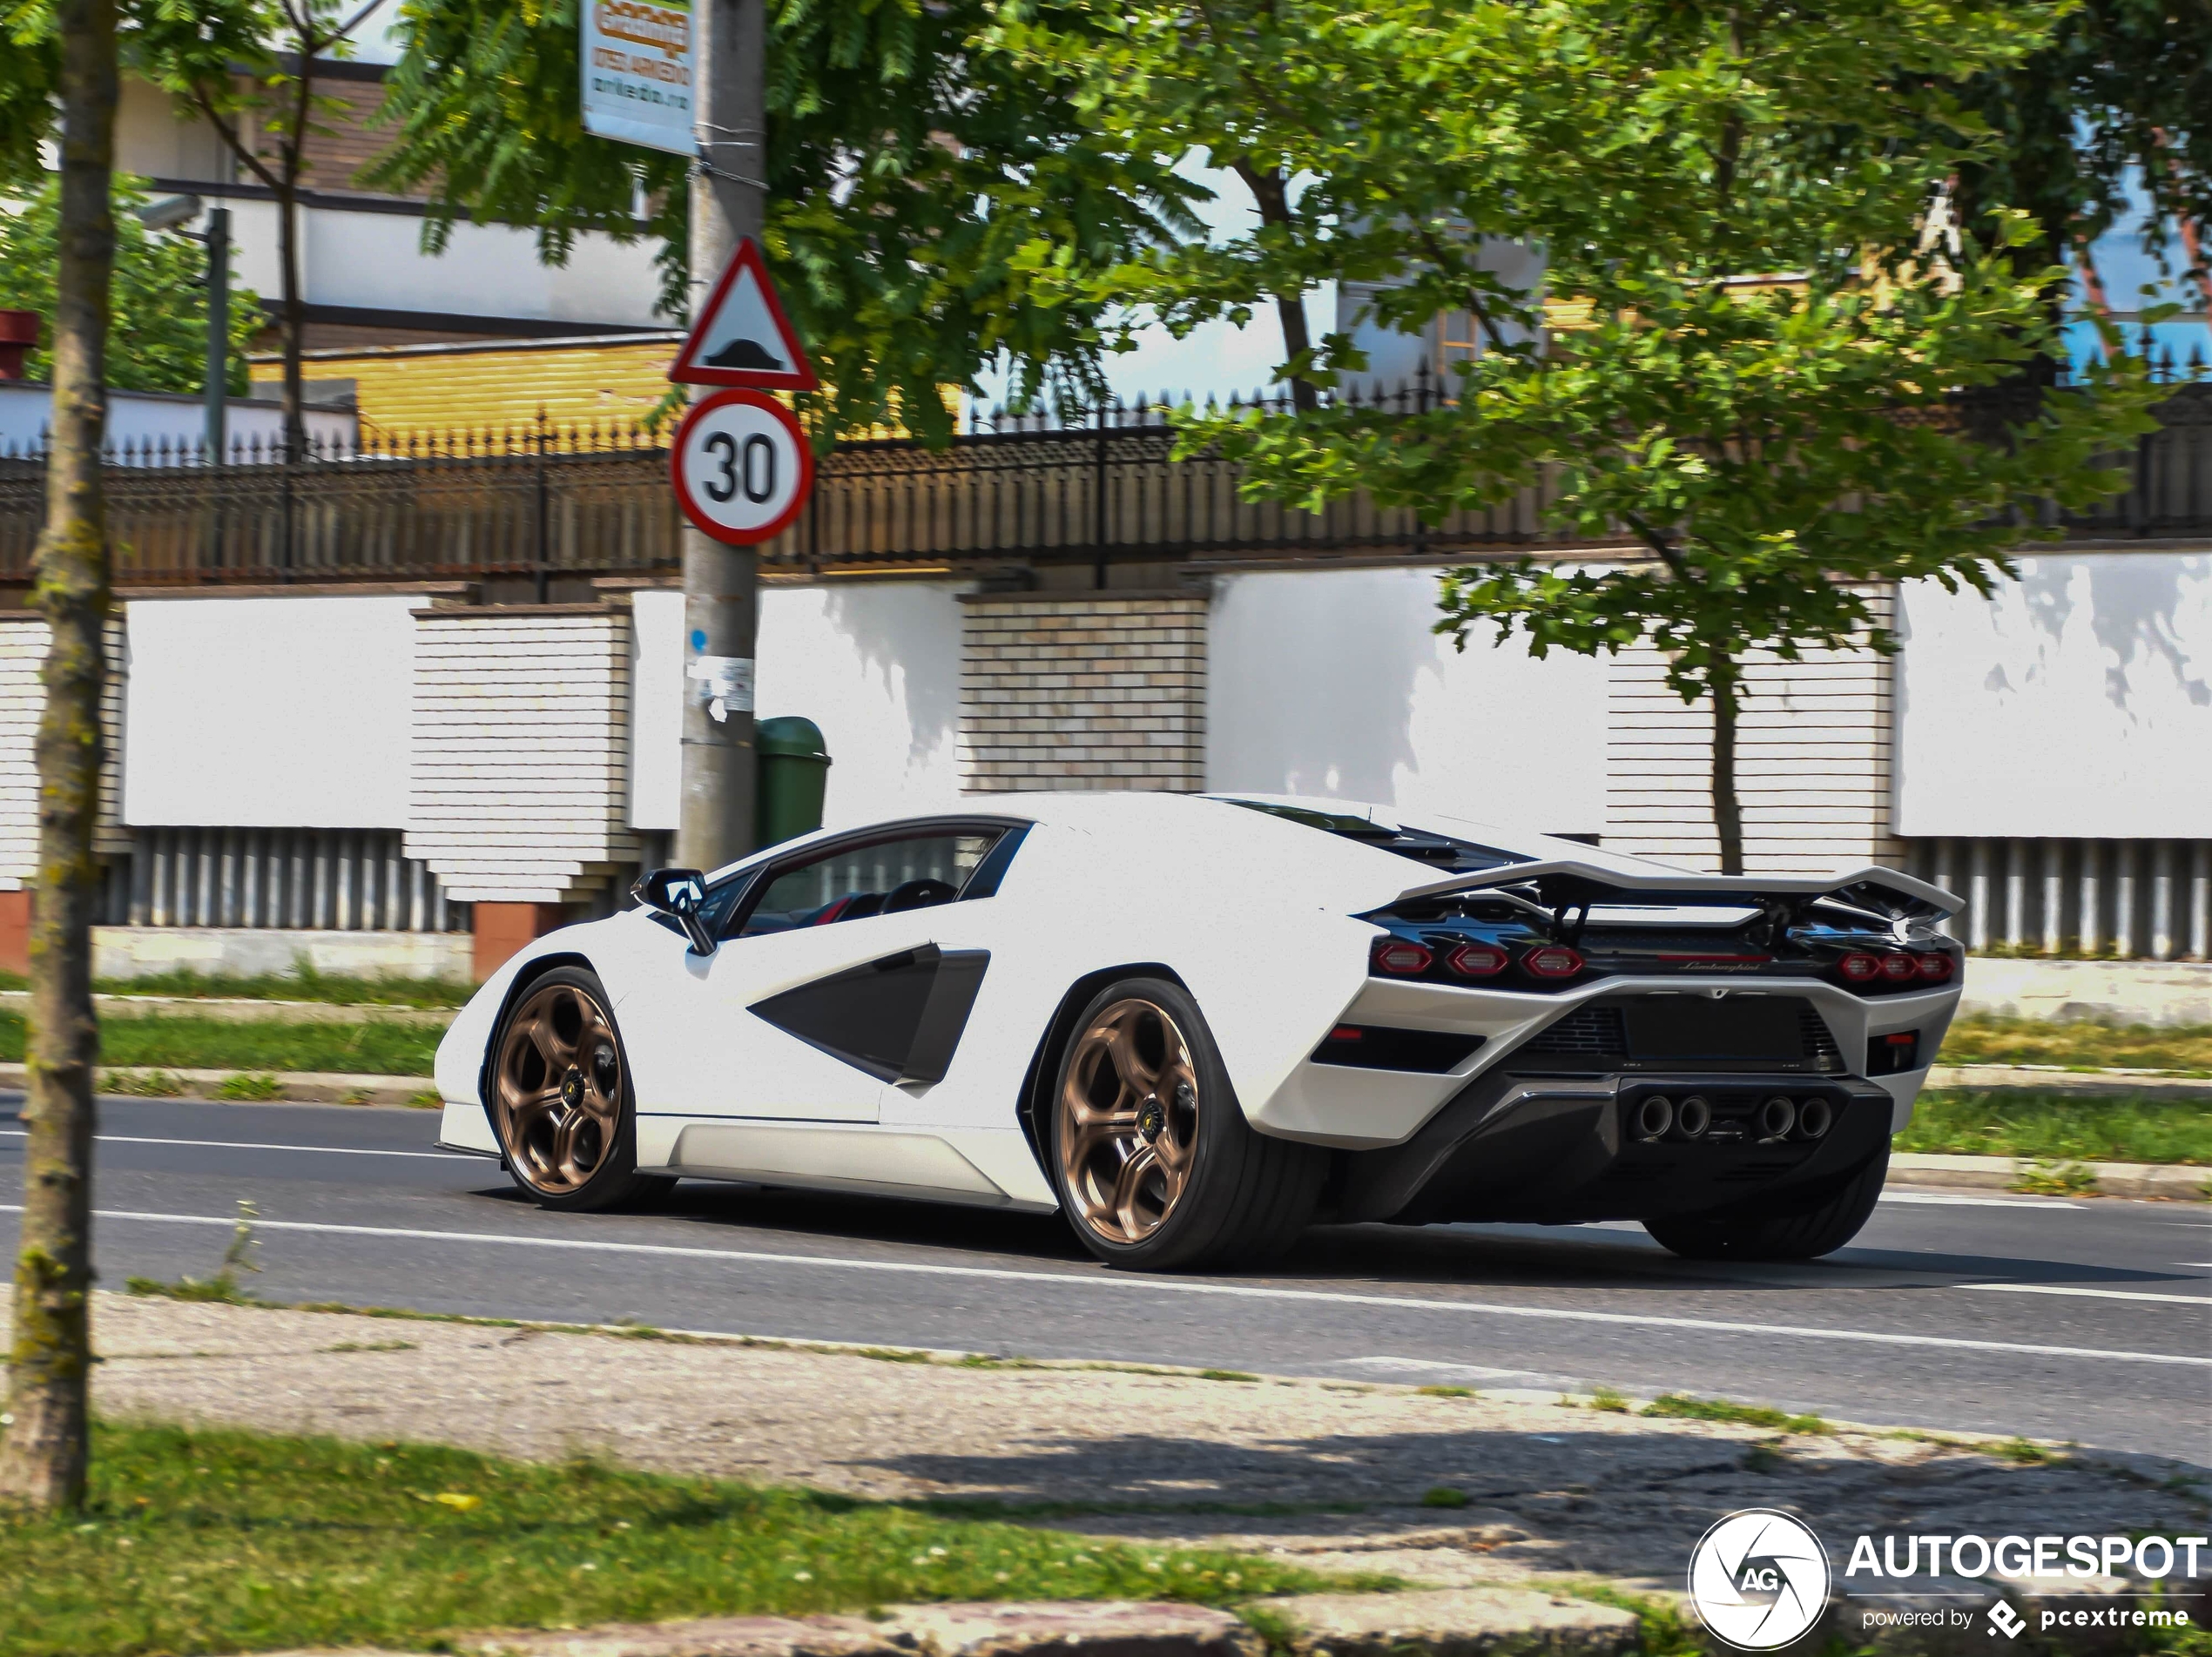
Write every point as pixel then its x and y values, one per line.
pixel 557 1087
pixel 1128 1121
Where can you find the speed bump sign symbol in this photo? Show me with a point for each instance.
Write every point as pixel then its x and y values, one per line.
pixel 742 467
pixel 1759 1579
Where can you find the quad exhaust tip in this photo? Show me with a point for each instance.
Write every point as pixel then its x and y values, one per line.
pixel 1653 1118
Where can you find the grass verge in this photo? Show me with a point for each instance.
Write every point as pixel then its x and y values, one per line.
pixel 383 1049
pixel 2058 1128
pixel 218 1542
pixel 1986 1040
pixel 302 984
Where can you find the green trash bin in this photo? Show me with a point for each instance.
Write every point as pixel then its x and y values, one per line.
pixel 794 764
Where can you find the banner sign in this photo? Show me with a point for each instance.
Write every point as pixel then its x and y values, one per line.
pixel 636 57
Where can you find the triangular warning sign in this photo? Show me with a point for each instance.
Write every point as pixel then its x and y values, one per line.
pixel 741 336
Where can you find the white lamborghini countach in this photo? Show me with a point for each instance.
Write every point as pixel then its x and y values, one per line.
pixel 1198 1024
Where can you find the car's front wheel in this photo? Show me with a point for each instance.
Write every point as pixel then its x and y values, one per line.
pixel 1805 1234
pixel 560 1097
pixel 1155 1165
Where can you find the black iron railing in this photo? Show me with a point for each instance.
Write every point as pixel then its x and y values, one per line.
pixel 556 504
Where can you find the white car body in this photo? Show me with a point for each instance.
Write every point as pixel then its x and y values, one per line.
pixel 1256 914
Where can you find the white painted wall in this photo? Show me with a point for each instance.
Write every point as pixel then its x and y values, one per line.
pixel 268 712
pixel 139 422
pixel 2076 703
pixel 1329 681
pixel 876 666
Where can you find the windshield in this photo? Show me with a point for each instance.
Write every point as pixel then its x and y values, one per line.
pixel 1444 852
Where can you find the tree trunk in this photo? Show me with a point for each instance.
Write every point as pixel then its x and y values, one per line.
pixel 295 322
pixel 1728 811
pixel 1273 196
pixel 43 1457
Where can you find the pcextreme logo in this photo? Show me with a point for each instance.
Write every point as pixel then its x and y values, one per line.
pixel 1759 1579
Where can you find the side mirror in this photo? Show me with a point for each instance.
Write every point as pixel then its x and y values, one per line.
pixel 679 895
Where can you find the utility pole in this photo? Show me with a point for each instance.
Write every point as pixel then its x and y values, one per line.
pixel 729 192
pixel 218 331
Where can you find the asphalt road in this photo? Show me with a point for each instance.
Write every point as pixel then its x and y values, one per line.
pixel 2088 1320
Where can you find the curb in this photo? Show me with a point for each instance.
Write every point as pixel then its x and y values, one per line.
pixel 299 1087
pixel 2189 1182
pixel 2154 1084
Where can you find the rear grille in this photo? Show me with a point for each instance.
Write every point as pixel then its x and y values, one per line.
pixel 1820 1042
pixel 1586 1030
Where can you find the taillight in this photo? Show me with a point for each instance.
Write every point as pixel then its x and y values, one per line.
pixel 1897 969
pixel 1860 968
pixel 1935 966
pixel 1401 958
pixel 1552 960
pixel 1478 961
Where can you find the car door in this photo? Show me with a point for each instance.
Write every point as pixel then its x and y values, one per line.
pixel 828 984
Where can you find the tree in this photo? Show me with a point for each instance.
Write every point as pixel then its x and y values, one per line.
pixel 924 188
pixel 2117 99
pixel 157 328
pixel 1772 447
pixel 247 67
pixel 43 1455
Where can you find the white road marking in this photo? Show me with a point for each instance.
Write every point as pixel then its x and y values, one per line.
pixel 1116 1281
pixel 1435 1366
pixel 1946 1200
pixel 251 1145
pixel 2095 1293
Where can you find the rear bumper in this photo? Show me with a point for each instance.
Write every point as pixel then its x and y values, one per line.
pixel 1557 1149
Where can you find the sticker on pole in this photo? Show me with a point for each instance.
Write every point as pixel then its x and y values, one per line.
pixel 742 467
pixel 741 336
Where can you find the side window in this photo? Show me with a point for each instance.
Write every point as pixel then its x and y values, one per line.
pixel 852 882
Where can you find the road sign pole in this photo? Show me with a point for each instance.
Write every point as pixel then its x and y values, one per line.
pixel 721 583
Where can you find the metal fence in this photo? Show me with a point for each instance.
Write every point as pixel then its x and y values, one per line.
pixel 2121 900
pixel 555 503
pixel 319 880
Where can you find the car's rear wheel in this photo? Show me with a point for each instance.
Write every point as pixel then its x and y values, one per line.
pixel 1820 1228
pixel 561 1100
pixel 1155 1165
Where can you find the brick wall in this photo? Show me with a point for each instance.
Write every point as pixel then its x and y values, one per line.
pixel 1812 768
pixel 23 701
pixel 1095 690
pixel 519 777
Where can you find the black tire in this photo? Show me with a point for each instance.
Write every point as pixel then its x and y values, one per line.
pixel 1243 1196
pixel 567 1132
pixel 1822 1229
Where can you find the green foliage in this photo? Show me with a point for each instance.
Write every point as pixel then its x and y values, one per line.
pixel 1770 448
pixel 223 1541
pixel 2119 96
pixel 1682 1407
pixel 159 338
pixel 371 1048
pixel 2058 1128
pixel 918 179
pixel 250 1084
pixel 1444 1496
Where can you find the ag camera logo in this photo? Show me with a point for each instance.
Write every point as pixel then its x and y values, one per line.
pixel 1759 1579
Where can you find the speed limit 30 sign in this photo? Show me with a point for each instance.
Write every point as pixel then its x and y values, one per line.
pixel 742 465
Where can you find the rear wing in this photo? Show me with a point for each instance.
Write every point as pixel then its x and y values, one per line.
pixel 1882 894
